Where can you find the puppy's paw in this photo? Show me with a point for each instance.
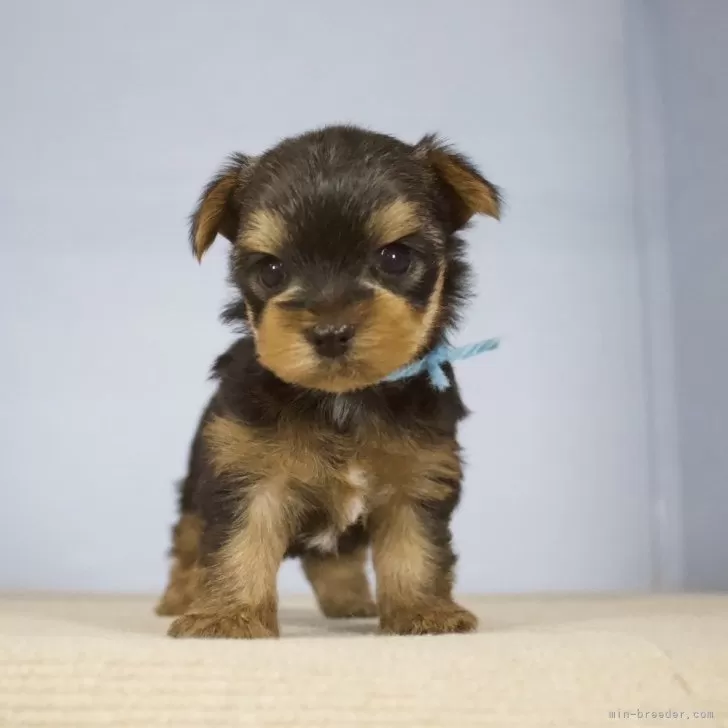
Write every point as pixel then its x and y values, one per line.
pixel 170 607
pixel 181 591
pixel 349 609
pixel 226 625
pixel 440 617
pixel 174 602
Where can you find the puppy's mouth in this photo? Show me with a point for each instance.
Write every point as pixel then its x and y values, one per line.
pixel 356 374
pixel 358 367
pixel 344 373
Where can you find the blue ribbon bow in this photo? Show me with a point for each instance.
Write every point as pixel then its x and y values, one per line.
pixel 432 363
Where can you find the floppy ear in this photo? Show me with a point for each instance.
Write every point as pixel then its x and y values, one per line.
pixel 218 209
pixel 466 191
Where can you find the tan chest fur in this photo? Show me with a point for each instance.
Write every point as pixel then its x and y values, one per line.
pixel 350 476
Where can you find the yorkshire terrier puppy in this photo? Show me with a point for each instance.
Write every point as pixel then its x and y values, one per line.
pixel 348 265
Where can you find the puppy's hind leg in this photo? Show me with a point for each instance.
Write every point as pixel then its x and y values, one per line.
pixel 185 572
pixel 340 583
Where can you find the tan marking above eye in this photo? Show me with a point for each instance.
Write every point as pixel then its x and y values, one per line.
pixel 395 220
pixel 289 294
pixel 264 231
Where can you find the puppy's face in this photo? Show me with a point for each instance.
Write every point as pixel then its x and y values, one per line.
pixel 344 250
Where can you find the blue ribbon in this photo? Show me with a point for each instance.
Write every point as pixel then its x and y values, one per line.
pixel 432 363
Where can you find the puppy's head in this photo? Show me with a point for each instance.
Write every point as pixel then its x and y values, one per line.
pixel 344 250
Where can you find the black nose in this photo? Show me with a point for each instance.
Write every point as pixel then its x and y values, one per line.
pixel 331 341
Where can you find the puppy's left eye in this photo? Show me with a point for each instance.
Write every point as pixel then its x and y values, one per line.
pixel 272 273
pixel 394 259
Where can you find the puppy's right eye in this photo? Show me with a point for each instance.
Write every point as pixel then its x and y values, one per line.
pixel 271 272
pixel 394 259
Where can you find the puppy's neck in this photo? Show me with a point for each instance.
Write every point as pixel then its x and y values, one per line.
pixel 343 410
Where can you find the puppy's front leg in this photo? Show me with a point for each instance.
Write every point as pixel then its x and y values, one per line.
pixel 413 561
pixel 239 596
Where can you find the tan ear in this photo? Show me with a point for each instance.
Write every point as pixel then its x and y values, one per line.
pixel 218 209
pixel 468 192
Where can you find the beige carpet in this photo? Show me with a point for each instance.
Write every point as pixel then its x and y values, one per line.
pixel 538 661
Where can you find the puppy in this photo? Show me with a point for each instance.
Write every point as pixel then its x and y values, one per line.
pixel 348 265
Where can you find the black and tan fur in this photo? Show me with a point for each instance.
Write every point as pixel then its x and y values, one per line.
pixel 300 454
